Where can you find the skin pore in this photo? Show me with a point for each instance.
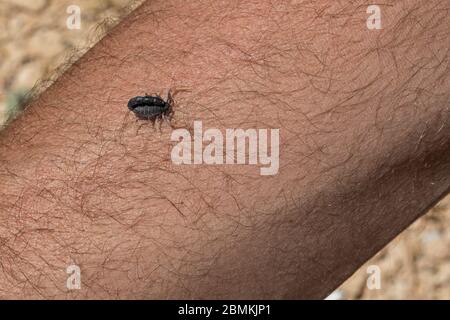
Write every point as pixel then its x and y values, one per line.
pixel 364 150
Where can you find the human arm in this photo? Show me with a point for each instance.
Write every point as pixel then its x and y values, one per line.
pixel 364 150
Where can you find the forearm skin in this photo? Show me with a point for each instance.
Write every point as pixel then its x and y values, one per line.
pixel 364 150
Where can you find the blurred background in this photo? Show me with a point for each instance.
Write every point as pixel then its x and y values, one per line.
pixel 35 42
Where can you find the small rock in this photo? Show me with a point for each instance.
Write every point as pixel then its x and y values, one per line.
pixel 430 236
pixel 27 76
pixel 335 295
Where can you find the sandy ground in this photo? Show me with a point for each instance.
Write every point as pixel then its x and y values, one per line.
pixel 34 40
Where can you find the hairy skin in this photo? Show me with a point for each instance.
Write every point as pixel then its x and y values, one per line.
pixel 365 150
